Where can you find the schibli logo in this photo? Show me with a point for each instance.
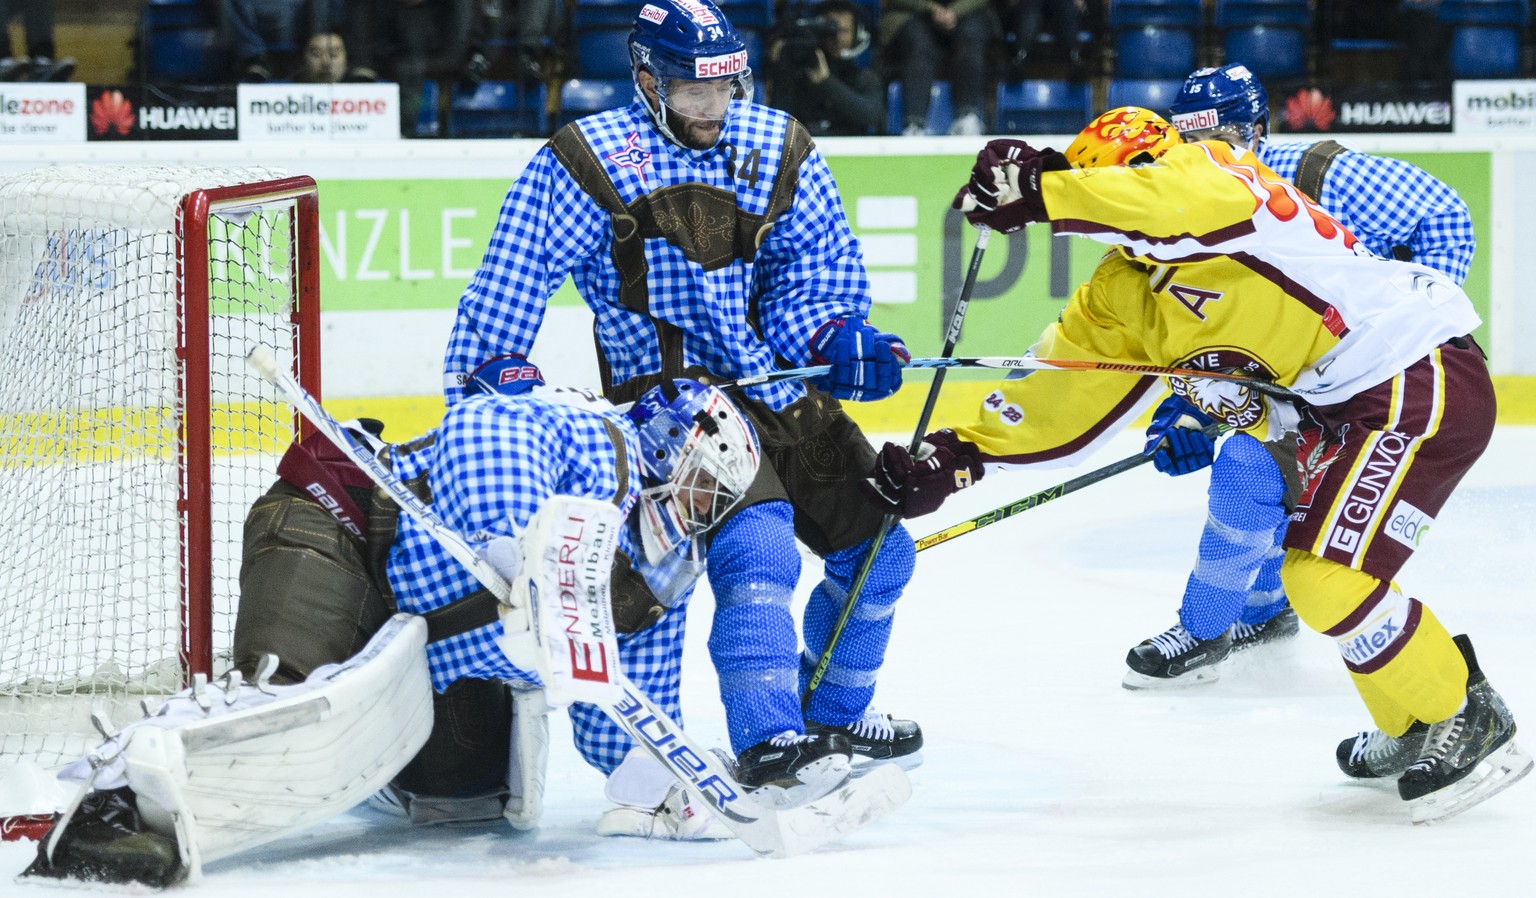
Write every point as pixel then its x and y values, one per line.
pixel 1196 121
pixel 720 66
pixel 653 14
pixel 700 13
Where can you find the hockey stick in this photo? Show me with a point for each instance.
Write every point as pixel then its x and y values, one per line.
pixel 769 832
pixel 888 520
pixel 1034 500
pixel 1030 363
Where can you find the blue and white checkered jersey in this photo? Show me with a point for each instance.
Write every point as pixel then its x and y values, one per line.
pixel 494 461
pixel 1388 202
pixel 807 270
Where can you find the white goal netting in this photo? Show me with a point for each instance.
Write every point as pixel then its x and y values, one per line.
pixel 132 437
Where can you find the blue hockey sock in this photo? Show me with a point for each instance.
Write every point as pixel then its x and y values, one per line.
pixel 849 683
pixel 754 565
pixel 1245 511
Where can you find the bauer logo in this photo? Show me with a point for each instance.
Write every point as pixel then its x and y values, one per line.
pixel 1407 524
pixel 326 112
pixel 42 113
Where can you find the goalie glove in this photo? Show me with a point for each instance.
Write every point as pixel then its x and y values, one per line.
pixel 914 486
pixel 1004 190
pixel 1175 439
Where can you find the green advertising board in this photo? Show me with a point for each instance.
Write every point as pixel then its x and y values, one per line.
pixel 406 244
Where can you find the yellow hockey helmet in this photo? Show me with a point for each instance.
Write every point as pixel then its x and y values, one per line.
pixel 1120 137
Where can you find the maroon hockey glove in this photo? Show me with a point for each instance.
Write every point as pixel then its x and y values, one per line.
pixel 912 487
pixel 1004 190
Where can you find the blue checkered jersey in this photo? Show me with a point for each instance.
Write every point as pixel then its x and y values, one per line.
pixel 1388 202
pixel 489 467
pixel 806 270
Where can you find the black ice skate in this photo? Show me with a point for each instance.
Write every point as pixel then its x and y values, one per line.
pixel 1467 758
pixel 1372 754
pixel 1280 627
pixel 1175 658
pixel 880 737
pixel 790 769
pixel 105 841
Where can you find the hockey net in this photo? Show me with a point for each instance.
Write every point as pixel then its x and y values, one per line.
pixel 132 437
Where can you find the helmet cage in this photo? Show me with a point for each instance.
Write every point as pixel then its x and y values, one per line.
pixel 698 456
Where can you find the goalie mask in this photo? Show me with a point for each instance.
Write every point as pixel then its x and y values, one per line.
pixel 698 60
pixel 1129 135
pixel 698 455
pixel 1222 104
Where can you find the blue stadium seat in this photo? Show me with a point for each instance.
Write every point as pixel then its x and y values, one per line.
pixel 427 123
pixel 1267 36
pixel 602 52
pixel 604 12
pixel 498 109
pixel 1043 107
pixel 1155 94
pixel 941 110
pixel 179 40
pixel 584 96
pixel 1488 36
pixel 755 14
pixel 1155 38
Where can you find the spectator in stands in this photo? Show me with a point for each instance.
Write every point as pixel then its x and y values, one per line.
pixel 816 76
pixel 1028 21
pixel 260 28
pixel 39 62
pixel 430 39
pixel 1426 41
pixel 325 59
pixel 922 36
pixel 533 25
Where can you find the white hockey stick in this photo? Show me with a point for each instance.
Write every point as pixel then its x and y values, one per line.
pixel 1030 363
pixel 773 833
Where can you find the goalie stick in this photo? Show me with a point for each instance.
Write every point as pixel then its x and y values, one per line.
pixel 888 520
pixel 1031 363
pixel 768 832
pixel 1034 500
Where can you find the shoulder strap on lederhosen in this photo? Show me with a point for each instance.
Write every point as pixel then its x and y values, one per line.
pixel 1313 167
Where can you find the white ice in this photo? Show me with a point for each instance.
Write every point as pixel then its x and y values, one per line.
pixel 1044 777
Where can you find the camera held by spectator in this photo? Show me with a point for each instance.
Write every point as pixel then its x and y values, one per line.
pixel 815 72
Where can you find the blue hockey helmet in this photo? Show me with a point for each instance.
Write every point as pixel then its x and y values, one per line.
pixel 509 375
pixel 681 43
pixel 698 456
pixel 1218 103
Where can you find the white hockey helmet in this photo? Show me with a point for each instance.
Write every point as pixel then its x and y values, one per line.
pixel 698 456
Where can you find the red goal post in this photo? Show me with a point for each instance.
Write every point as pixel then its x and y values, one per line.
pixel 134 438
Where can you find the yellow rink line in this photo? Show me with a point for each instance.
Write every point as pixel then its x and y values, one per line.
pixel 409 416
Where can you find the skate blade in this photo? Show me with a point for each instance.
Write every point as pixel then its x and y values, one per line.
pixel 1492 775
pixel 817 780
pixel 1198 677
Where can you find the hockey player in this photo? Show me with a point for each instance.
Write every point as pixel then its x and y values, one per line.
pixel 1234 600
pixel 353 697
pixel 706 234
pixel 1221 265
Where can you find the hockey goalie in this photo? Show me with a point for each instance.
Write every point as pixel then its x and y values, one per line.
pixel 371 661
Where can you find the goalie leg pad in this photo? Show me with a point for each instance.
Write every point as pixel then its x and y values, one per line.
pixel 226 771
pixel 529 758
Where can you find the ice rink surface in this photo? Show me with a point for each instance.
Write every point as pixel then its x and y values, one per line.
pixel 1043 777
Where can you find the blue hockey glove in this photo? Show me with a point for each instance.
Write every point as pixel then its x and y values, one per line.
pixel 1175 439
pixel 866 364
